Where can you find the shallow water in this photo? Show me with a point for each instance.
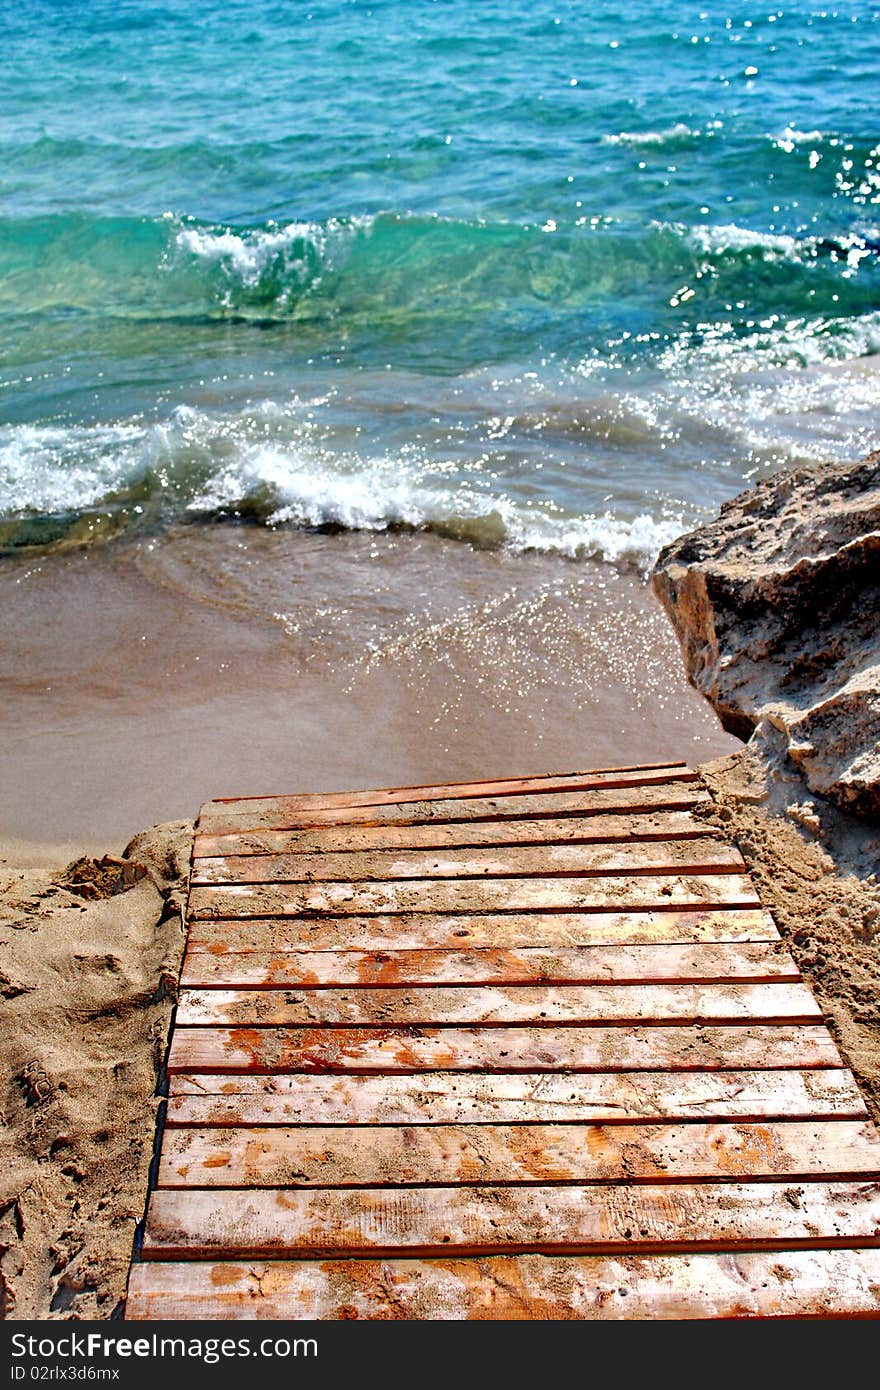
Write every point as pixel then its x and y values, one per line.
pixel 138 681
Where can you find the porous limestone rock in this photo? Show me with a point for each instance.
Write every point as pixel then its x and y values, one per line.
pixel 776 605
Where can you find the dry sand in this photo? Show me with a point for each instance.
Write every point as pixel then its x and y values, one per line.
pixel 816 870
pixel 89 961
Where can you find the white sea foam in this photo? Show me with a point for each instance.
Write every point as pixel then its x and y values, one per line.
pixel 586 470
pixel 771 345
pixel 373 495
pixel 729 237
pixel 47 470
pixel 606 536
pixel 301 488
pixel 671 135
pixel 302 252
pixel 790 138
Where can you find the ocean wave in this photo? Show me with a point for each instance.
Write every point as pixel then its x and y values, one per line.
pixel 728 237
pixel 46 470
pixel 674 135
pixel 281 261
pixel 776 342
pixel 380 495
pixel 288 486
pixel 552 461
pixel 788 139
pixel 400 286
pixel 200 466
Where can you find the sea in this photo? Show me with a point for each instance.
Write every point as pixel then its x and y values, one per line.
pixel 545 275
pixel 292 294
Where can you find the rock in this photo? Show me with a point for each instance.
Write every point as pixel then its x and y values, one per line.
pixel 776 605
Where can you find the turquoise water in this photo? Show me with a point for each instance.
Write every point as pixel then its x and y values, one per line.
pixel 538 274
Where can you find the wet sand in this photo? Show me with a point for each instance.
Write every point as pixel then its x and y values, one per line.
pixel 139 679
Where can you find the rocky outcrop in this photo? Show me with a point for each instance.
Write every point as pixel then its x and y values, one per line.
pixel 777 608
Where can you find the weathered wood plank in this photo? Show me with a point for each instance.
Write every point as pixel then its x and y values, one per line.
pixel 475 895
pixel 674 765
pixel 543 1016
pixel 586 965
pixel 696 856
pixel 784 1284
pixel 507 786
pixel 468 1098
pixel 418 931
pixel 757 1047
pixel 275 813
pixel 594 829
pixel 538 1005
pixel 462 1220
pixel 360 1156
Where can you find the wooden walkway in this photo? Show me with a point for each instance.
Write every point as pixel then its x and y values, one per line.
pixel 521 1049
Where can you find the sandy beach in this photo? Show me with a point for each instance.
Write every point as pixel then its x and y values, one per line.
pixel 356 367
pixel 143 678
pixel 90 957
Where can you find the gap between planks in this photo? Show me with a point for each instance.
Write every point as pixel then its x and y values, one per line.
pixel 414 931
pixel 595 828
pixel 508 786
pixel 276 813
pixel 696 855
pixel 676 764
pixel 608 893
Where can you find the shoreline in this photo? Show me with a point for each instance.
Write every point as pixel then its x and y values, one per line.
pixel 142 679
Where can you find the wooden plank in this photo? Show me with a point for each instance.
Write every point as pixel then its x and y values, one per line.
pixel 786 1284
pixel 538 1005
pixel 418 931
pixel 675 765
pixel 586 965
pixel 596 829
pixel 246 807
pixel 468 1098
pixel 360 1156
pixel 696 856
pixel 274 813
pixel 666 892
pixel 273 1223
pixel 757 1047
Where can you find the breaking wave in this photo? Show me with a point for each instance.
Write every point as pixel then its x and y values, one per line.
pixel 197 467
pixel 482 288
